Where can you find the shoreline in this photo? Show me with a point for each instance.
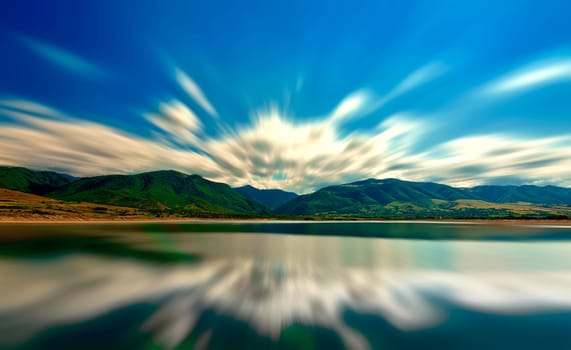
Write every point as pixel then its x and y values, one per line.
pixel 127 220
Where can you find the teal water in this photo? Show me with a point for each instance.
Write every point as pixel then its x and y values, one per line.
pixel 285 285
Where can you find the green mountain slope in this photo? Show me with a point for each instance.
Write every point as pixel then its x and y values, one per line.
pixel 368 197
pixel 271 199
pixel 31 181
pixel 166 192
pixel 392 198
pixel 526 193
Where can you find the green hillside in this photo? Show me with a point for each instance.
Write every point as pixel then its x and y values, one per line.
pixel 369 197
pixel 161 192
pixel 525 193
pixel 31 181
pixel 392 198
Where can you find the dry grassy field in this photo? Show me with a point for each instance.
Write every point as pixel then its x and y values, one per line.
pixel 19 206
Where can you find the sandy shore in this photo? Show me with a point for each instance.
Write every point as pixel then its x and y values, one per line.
pixel 119 220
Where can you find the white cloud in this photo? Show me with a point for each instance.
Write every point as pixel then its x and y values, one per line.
pixel 309 154
pixel 532 76
pixel 353 105
pixel 63 58
pixel 177 120
pixel 419 77
pixel 85 148
pixel 194 91
pixel 28 106
pixel 474 160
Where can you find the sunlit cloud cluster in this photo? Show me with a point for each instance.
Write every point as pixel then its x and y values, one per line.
pixel 278 149
pixel 275 152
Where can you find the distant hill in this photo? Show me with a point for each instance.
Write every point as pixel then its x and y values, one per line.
pixel 525 193
pixel 165 192
pixel 271 199
pixel 31 181
pixel 394 198
pixel 368 197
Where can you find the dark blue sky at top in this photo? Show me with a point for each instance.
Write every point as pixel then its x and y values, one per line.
pixel 246 54
pixel 302 56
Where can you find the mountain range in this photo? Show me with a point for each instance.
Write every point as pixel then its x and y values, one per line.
pixel 171 193
pixel 393 198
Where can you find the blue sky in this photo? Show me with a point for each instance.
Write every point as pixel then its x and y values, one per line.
pixel 290 94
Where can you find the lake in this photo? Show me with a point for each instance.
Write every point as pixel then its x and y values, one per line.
pixel 285 285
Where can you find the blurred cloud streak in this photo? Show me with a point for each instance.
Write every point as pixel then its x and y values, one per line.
pixel 87 148
pixel 194 91
pixel 419 77
pixel 63 58
pixel 178 121
pixel 351 106
pixel 532 76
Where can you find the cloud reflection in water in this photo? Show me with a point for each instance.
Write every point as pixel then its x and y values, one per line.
pixel 271 282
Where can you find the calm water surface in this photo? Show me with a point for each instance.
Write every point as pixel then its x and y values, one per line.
pixel 338 285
